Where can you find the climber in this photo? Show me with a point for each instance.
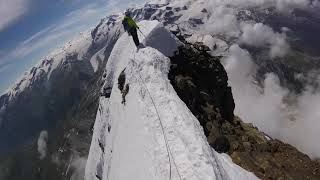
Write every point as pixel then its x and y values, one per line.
pixel 131 27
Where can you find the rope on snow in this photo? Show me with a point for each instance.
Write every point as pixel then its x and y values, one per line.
pixel 170 156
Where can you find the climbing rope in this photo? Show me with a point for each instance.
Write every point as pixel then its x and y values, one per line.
pixel 169 153
pixel 163 132
pixel 162 127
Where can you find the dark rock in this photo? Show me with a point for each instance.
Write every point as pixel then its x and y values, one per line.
pixel 121 80
pixel 168 14
pixel 106 92
pixel 195 21
pixel 191 75
pixel 204 10
pixel 235 146
pixel 98 177
pixel 177 9
pixel 123 87
pixel 221 144
pixel 109 128
pixel 101 145
pixel 148 12
pixel 247 146
pixel 124 92
pixel 228 105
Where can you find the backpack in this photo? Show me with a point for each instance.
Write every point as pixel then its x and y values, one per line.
pixel 126 25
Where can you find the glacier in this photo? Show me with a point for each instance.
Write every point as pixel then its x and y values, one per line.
pixel 153 135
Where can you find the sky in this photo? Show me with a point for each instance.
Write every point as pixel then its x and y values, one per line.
pixel 31 29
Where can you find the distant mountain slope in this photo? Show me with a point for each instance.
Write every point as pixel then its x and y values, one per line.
pixel 46 93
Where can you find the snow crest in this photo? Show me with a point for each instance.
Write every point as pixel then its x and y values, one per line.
pixel 134 139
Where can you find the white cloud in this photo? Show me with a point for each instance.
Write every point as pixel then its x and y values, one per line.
pixel 257 34
pixel 223 21
pixel 11 10
pixel 119 5
pixel 4 67
pixel 267 107
pixel 289 5
pixel 78 165
pixel 261 35
pixel 304 132
pixel 316 3
pixel 42 144
pixel 285 6
pixel 279 47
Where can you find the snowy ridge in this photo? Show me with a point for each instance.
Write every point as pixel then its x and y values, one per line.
pixel 128 140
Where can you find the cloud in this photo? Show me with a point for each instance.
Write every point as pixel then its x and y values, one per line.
pixel 273 109
pixel 285 6
pixel 279 47
pixel 42 144
pixel 223 21
pixel 261 35
pixel 305 130
pixel 119 5
pixel 289 5
pixel 11 10
pixel 316 3
pixel 78 165
pixel 4 67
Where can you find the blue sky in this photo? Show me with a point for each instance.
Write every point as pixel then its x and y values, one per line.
pixel 30 29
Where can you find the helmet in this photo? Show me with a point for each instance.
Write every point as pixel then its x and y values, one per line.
pixel 127 13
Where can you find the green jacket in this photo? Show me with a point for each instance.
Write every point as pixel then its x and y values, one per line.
pixel 128 21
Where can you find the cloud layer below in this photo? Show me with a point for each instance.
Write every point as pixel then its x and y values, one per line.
pixel 272 108
pixel 260 35
pixel 42 144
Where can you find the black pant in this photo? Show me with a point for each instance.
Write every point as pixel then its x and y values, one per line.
pixel 134 35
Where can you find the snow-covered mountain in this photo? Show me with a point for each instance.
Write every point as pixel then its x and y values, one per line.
pixel 144 130
pixel 48 90
pixel 150 127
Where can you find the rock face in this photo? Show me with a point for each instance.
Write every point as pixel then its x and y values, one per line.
pixel 202 83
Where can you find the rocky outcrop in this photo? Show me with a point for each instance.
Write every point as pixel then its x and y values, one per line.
pixel 202 83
